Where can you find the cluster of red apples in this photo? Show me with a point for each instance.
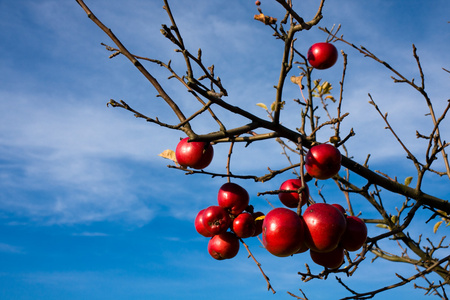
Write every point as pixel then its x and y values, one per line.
pixel 228 221
pixel 323 229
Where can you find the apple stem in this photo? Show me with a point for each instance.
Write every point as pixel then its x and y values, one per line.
pixel 229 161
pixel 302 174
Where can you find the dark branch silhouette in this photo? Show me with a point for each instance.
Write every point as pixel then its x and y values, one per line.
pixel 209 91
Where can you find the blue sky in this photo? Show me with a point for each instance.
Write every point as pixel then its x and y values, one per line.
pixel 88 210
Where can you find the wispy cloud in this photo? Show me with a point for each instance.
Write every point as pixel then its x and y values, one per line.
pixel 69 155
pixel 91 234
pixel 68 159
pixel 7 248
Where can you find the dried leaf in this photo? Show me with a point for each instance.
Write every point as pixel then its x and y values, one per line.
pixel 265 19
pixel 297 79
pixel 169 154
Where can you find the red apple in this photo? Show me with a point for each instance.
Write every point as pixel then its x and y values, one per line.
pixel 197 155
pixel 323 161
pixel 302 249
pixel 341 209
pixel 322 55
pixel 223 246
pixel 244 225
pixel 258 223
pixel 216 219
pixel 199 225
pixel 233 197
pixel 282 233
pixel 330 260
pixel 355 234
pixel 291 199
pixel 325 225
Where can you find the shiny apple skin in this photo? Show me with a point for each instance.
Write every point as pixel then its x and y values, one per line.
pixel 291 199
pixel 233 197
pixel 216 219
pixel 223 246
pixel 197 155
pixel 322 55
pixel 323 161
pixel 199 225
pixel 244 225
pixel 282 232
pixel 355 234
pixel 325 225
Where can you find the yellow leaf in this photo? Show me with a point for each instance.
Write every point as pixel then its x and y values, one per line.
pixel 394 219
pixel 326 87
pixel 334 139
pixel 282 103
pixel 260 218
pixel 382 226
pixel 331 98
pixel 273 105
pixel 262 105
pixel 408 180
pixel 169 154
pixel 436 226
pixel 319 89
